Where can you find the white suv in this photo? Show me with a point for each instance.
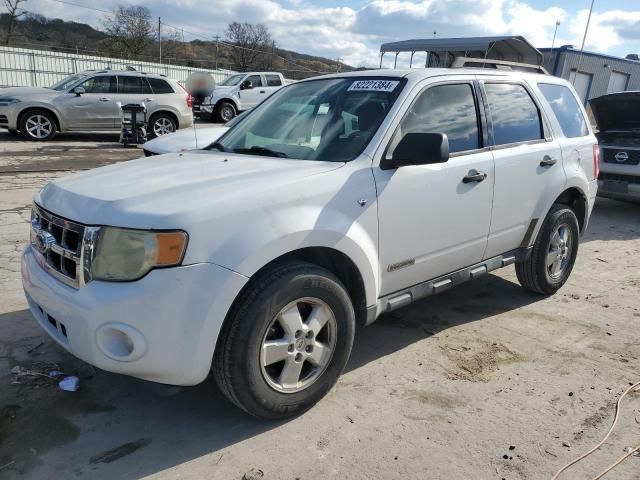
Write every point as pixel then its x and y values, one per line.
pixel 337 199
pixel 90 101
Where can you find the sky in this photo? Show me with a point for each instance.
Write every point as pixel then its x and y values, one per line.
pixel 353 30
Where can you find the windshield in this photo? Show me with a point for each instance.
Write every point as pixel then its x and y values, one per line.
pixel 67 82
pixel 232 80
pixel 328 119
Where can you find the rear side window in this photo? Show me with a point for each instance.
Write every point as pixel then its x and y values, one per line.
pixel 449 109
pixel 159 86
pixel 273 81
pixel 132 84
pixel 514 115
pixel 566 109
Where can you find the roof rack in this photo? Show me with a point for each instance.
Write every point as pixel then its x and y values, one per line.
pixel 470 62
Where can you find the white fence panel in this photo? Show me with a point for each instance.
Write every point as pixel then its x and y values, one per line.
pixel 21 67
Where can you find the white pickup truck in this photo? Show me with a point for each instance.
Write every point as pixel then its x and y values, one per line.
pixel 335 200
pixel 238 93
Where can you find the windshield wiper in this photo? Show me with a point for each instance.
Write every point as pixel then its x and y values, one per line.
pixel 261 151
pixel 218 146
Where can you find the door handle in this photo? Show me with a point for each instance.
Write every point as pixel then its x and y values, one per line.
pixel 148 99
pixel 474 176
pixel 547 161
pixel 105 99
pixel 262 91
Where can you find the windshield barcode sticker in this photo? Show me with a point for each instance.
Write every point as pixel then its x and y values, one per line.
pixel 373 86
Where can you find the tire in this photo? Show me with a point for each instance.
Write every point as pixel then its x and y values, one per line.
pixel 38 125
pixel 225 112
pixel 243 370
pixel 557 242
pixel 161 124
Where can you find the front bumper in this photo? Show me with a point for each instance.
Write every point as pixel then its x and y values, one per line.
pixel 9 116
pixel 203 112
pixel 162 327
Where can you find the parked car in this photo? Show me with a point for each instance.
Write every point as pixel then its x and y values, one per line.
pixel 335 200
pixel 183 140
pixel 618 118
pixel 238 93
pixel 90 101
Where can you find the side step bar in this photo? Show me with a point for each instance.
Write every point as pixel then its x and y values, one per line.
pixel 409 295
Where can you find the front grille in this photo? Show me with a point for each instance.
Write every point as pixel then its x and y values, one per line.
pixel 625 156
pixel 57 242
pixel 616 177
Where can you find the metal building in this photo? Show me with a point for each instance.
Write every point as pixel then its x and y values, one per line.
pixel 597 75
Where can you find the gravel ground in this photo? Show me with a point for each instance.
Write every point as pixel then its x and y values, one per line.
pixel 486 381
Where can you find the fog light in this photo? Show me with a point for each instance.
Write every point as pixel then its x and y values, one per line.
pixel 121 342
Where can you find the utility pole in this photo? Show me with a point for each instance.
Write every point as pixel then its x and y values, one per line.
pixel 584 38
pixel 160 38
pixel 216 59
pixel 555 32
pixel 338 64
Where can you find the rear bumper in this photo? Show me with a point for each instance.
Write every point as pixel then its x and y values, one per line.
pixel 619 187
pixel 162 327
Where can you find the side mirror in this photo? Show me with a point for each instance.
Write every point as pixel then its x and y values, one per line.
pixel 78 91
pixel 246 85
pixel 419 148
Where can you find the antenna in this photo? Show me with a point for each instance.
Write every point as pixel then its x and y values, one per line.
pixel 199 86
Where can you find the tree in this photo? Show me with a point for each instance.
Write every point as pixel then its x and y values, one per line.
pixel 130 29
pixel 15 12
pixel 252 45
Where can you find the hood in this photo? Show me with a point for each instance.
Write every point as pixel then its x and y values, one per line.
pixel 617 111
pixel 174 190
pixel 21 92
pixel 222 90
pixel 185 139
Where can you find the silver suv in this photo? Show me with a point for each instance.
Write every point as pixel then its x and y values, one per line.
pixel 89 101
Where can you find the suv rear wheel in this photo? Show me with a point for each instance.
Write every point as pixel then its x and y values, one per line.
pixel 161 124
pixel 287 342
pixel 554 253
pixel 38 125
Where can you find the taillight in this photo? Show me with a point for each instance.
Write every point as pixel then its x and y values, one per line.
pixel 189 101
pixel 596 161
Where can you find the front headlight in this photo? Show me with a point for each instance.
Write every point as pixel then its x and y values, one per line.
pixel 121 254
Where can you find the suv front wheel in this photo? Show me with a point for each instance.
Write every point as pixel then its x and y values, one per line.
pixel 38 125
pixel 286 342
pixel 554 253
pixel 161 124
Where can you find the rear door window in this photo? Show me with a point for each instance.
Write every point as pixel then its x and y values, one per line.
pixel 566 109
pixel 160 86
pixel 273 81
pixel 514 115
pixel 133 85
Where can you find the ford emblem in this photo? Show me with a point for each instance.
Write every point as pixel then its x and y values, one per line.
pixel 621 157
pixel 43 242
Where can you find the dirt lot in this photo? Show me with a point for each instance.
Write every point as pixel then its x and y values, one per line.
pixel 483 382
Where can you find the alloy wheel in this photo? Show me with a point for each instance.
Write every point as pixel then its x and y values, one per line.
pixel 39 126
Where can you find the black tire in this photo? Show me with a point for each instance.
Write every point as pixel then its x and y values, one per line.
pixel 45 119
pixel 225 112
pixel 237 365
pixel 161 122
pixel 534 274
